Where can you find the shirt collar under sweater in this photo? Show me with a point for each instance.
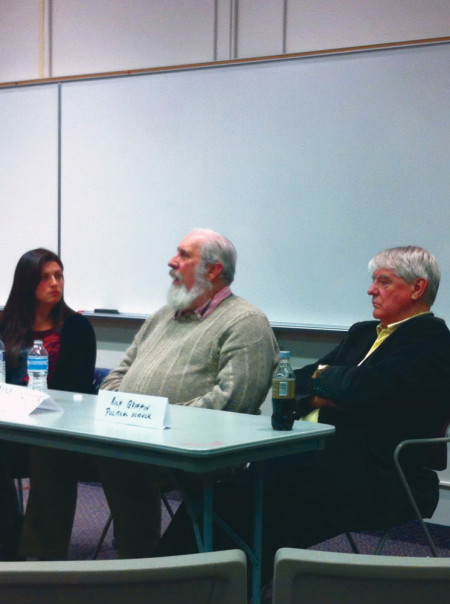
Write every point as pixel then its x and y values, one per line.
pixel 207 308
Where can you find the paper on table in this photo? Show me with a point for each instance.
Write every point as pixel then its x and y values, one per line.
pixel 131 408
pixel 18 401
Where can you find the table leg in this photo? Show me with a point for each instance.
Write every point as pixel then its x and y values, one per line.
pixel 255 554
pixel 208 513
pixel 205 540
pixel 257 531
pixel 201 512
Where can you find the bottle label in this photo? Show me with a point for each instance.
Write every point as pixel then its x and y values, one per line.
pixel 283 388
pixel 37 363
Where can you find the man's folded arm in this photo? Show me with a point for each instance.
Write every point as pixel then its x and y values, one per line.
pixel 409 372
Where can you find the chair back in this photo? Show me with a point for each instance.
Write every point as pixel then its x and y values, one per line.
pixel 209 578
pixel 309 577
pixel 99 375
pixel 436 454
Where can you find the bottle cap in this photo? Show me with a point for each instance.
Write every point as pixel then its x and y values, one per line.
pixel 285 354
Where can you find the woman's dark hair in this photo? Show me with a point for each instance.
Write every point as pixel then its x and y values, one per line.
pixel 17 318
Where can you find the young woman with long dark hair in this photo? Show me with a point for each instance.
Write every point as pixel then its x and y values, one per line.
pixel 36 310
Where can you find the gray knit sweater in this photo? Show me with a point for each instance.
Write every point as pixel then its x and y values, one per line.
pixel 224 361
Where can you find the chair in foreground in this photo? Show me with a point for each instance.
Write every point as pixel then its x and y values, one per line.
pixel 309 577
pixel 209 578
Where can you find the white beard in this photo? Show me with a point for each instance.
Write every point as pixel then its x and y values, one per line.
pixel 179 297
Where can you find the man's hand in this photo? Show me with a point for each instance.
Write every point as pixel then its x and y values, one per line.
pixel 317 402
pixel 318 371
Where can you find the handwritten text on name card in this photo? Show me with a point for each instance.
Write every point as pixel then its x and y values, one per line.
pixel 135 409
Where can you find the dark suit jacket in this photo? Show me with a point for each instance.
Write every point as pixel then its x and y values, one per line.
pixel 401 391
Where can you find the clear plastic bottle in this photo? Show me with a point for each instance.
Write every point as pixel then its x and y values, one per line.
pixel 37 367
pixel 2 362
pixel 283 393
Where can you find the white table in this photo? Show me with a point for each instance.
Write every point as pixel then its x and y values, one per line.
pixel 199 441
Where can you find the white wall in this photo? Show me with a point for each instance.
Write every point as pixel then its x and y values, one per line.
pixel 56 38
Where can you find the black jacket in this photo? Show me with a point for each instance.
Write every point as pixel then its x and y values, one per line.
pixel 402 390
pixel 75 366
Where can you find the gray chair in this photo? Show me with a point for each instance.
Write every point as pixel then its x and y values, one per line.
pixel 312 577
pixel 99 375
pixel 211 578
pixel 436 460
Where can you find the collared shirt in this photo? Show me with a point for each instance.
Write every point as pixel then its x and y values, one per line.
pixel 207 308
pixel 385 332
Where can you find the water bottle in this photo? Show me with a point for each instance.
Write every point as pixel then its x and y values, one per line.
pixel 283 394
pixel 37 367
pixel 2 363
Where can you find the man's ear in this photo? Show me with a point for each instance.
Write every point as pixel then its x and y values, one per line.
pixel 420 286
pixel 213 271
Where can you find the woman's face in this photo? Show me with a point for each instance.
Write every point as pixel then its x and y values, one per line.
pixel 50 289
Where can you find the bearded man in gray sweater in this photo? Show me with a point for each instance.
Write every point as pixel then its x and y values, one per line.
pixel 206 348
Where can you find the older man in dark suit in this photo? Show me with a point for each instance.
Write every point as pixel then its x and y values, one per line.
pixel 388 380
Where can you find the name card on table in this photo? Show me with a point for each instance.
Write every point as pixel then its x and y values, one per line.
pixel 135 409
pixel 18 401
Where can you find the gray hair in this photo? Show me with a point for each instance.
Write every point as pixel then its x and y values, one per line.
pixel 409 263
pixel 215 248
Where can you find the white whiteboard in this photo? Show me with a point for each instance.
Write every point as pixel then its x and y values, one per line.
pixel 310 166
pixel 28 175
